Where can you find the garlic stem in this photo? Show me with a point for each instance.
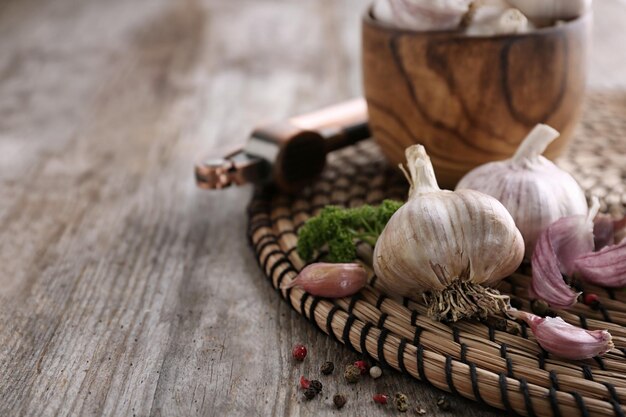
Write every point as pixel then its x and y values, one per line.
pixel 534 144
pixel 422 175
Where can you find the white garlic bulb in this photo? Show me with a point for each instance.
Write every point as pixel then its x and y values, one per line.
pixel 422 15
pixel 534 190
pixel 446 245
pixel 551 10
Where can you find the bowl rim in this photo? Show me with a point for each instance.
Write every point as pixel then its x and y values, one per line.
pixel 368 19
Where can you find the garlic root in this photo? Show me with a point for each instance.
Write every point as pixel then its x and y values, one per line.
pixel 464 299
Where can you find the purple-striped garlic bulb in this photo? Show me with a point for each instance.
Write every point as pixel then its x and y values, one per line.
pixel 533 189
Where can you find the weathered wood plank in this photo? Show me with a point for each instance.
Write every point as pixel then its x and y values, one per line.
pixel 124 290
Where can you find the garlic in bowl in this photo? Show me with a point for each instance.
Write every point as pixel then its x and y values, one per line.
pixel 470 99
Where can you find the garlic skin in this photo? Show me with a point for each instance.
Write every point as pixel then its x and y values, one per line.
pixel 564 340
pixel 330 280
pixel 547 11
pixel 447 245
pixel 533 189
pixel 422 15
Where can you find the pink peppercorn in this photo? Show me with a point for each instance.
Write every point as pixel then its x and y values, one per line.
pixel 299 352
pixel 380 398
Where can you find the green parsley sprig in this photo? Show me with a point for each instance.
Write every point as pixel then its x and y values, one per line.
pixel 339 229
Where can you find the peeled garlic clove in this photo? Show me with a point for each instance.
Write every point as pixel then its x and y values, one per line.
pixel 607 231
pixel 534 190
pixel 555 254
pixel 426 15
pixel 488 19
pixel 606 268
pixel 447 246
pixel 564 340
pixel 551 10
pixel 330 280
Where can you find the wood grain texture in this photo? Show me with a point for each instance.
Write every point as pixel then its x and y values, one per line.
pixel 125 290
pixel 471 100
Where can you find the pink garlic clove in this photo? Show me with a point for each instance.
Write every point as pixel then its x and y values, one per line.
pixel 606 268
pixel 547 282
pixel 330 280
pixel 606 230
pixel 557 248
pixel 564 340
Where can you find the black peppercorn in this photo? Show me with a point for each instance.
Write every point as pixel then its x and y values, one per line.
pixel 316 385
pixel 327 368
pixel 310 393
pixel 339 400
pixel 539 307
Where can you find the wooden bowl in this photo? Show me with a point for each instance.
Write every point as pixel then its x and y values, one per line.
pixel 471 100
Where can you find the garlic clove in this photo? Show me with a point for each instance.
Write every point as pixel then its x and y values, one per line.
pixel 564 340
pixel 572 237
pixel 330 280
pixel 555 254
pixel 488 19
pixel 606 268
pixel 547 282
pixel 607 231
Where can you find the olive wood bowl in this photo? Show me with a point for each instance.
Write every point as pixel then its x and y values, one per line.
pixel 471 100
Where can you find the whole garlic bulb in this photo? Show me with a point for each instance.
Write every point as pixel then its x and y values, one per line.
pixel 422 14
pixel 534 190
pixel 446 245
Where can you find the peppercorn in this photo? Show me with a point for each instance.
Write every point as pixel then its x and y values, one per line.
pixel 375 372
pixel 592 301
pixel 362 365
pixel 316 385
pixel 339 400
pixel 380 398
pixel 402 402
pixel 352 374
pixel 304 383
pixel 443 403
pixel 299 352
pixel 310 393
pixel 539 307
pixel 327 368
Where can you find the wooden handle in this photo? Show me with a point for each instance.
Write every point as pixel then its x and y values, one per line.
pixel 296 148
pixel 302 142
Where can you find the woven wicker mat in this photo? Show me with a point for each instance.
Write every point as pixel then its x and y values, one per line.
pixel 496 362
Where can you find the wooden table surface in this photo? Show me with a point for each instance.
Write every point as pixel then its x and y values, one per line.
pixel 124 289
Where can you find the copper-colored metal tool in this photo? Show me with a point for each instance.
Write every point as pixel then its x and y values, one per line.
pixel 292 153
